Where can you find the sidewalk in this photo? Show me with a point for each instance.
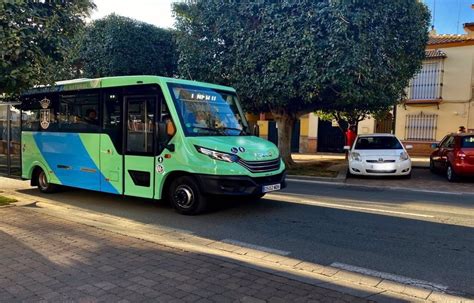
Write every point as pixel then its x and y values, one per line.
pixel 422 179
pixel 53 247
pixel 47 258
pixel 419 162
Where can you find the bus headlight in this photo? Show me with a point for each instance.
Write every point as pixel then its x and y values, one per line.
pixel 217 155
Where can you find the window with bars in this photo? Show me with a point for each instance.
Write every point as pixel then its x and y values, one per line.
pixel 427 84
pixel 421 127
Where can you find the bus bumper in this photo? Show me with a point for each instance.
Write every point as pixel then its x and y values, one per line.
pixel 238 185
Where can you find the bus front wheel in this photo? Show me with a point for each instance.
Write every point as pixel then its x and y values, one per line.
pixel 186 197
pixel 43 184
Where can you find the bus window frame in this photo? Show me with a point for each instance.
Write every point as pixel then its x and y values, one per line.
pixel 170 85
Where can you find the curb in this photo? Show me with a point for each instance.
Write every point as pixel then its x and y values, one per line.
pixel 335 180
pixel 348 282
pixel 343 183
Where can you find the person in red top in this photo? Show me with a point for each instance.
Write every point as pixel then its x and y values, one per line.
pixel 351 135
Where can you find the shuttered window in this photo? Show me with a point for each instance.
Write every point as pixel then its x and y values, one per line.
pixel 421 127
pixel 427 84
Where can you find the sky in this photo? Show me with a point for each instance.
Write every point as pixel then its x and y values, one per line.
pixel 449 15
pixel 157 12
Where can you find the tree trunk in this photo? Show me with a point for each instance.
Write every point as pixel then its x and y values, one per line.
pixel 285 124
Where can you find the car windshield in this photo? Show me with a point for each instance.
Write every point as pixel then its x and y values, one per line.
pixel 208 112
pixel 467 142
pixel 378 143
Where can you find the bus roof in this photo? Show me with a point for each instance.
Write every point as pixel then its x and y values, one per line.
pixel 85 83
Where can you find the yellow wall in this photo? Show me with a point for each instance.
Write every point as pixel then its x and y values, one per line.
pixel 456 108
pixel 304 125
pixel 263 127
pixel 367 126
pixel 458 71
pixel 313 126
pixel 450 117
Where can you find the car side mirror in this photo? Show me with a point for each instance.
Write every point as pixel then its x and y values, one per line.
pixel 409 146
pixel 434 145
pixel 347 147
pixel 256 130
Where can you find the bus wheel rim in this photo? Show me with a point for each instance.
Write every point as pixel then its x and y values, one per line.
pixel 184 196
pixel 43 182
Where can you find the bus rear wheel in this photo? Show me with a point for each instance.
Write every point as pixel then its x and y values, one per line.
pixel 43 184
pixel 186 197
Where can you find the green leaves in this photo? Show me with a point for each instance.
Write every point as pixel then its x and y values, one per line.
pixel 295 57
pixel 35 40
pixel 118 45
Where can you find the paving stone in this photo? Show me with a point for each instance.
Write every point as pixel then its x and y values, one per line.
pixel 46 258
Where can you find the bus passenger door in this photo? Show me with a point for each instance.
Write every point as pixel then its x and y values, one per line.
pixel 111 144
pixel 139 141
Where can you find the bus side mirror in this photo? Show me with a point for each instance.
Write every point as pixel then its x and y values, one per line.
pixel 256 130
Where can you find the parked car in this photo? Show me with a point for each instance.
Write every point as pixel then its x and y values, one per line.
pixel 454 156
pixel 379 155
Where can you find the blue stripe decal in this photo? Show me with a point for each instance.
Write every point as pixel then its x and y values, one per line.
pixel 66 155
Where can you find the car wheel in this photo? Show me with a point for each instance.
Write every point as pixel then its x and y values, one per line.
pixel 186 197
pixel 348 173
pixel 451 174
pixel 432 168
pixel 43 183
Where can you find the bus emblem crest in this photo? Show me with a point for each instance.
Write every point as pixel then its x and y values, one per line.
pixel 44 118
pixel 45 103
pixel 45 114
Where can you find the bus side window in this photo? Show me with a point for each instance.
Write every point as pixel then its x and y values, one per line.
pixel 39 112
pixel 166 117
pixel 79 112
pixel 112 110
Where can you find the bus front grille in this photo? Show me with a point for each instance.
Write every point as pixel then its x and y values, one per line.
pixel 261 166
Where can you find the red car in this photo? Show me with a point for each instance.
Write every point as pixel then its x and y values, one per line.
pixel 454 156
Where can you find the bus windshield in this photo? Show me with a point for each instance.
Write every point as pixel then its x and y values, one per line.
pixel 208 112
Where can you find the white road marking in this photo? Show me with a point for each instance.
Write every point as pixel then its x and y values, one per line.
pixel 257 247
pixel 391 277
pixel 342 206
pixel 380 187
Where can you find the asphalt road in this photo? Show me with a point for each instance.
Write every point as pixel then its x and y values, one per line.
pixel 421 236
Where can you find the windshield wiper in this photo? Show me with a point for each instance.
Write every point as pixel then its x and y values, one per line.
pixel 241 131
pixel 217 130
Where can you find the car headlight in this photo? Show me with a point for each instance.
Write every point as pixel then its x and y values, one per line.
pixel 356 157
pixel 404 156
pixel 217 155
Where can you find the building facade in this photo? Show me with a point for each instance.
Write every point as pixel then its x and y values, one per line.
pixel 440 97
pixel 438 101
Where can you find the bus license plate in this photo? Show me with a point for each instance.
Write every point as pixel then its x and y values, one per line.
pixel 273 187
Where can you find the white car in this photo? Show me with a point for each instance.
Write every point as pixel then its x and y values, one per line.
pixel 379 155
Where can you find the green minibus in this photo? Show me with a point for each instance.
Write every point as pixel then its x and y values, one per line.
pixel 145 136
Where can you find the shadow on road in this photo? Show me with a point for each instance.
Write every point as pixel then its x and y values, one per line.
pixel 420 249
pixel 57 260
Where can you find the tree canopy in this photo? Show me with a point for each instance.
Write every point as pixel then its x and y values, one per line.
pixel 295 57
pixel 117 45
pixel 36 37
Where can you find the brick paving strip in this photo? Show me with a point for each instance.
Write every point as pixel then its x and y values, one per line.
pixel 325 282
pixel 44 257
